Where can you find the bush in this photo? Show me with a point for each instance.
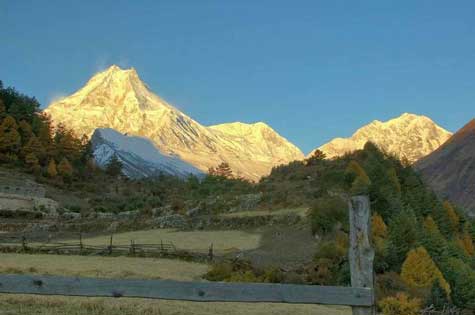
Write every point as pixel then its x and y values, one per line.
pixel 400 304
pixel 326 213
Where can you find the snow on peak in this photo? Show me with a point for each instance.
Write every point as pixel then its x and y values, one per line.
pixel 117 98
pixel 408 136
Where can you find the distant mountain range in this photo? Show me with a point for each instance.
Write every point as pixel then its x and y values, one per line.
pixel 118 99
pixel 408 136
pixel 450 170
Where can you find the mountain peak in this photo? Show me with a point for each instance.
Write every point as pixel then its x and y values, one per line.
pixel 468 129
pixel 410 136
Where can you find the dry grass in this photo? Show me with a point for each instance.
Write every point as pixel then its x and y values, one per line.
pixel 302 212
pixel 53 305
pixel 103 267
pixel 189 240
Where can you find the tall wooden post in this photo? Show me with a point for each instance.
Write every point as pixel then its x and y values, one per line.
pixel 361 254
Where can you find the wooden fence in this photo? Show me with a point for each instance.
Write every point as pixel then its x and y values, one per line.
pixel 360 296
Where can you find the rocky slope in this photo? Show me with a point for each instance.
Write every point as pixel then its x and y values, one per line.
pixel 408 136
pixel 118 99
pixel 450 170
pixel 139 157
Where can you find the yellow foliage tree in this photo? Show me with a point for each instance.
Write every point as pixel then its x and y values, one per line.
pixel 33 164
pixel 378 227
pixel 420 271
pixel 52 171
pixel 453 216
pixel 361 181
pixel 430 225
pixel 466 243
pixel 64 168
pixel 400 304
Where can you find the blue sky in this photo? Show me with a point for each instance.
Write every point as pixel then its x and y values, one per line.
pixel 313 70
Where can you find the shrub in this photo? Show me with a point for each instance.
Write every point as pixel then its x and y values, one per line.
pixel 400 304
pixel 326 213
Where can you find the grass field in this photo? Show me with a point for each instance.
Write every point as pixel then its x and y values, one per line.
pixel 189 240
pixel 102 267
pixel 298 211
pixel 53 305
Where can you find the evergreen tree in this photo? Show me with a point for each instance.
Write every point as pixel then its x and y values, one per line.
pixel 438 297
pixel 3 110
pixel 358 178
pixel 420 271
pixel 453 216
pixel 114 167
pixel 433 240
pixel 52 171
pixel 402 238
pixel 224 170
pixel 316 158
pixel 65 169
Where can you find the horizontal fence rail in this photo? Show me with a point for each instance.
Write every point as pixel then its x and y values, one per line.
pixel 186 291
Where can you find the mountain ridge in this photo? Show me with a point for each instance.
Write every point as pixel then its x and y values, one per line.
pixel 118 99
pixel 408 136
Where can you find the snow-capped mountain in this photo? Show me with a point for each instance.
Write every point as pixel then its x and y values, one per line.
pixel 408 136
pixel 140 158
pixel 118 99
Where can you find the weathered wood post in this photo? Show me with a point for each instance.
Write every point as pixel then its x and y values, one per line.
pixel 109 248
pixel 361 253
pixel 81 247
pixel 132 247
pixel 23 243
pixel 210 253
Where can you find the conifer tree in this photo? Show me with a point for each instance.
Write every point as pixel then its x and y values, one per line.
pixel 438 297
pixel 52 171
pixel 420 271
pixel 26 132
pixel 316 158
pixel 453 216
pixel 224 170
pixel 402 237
pixel 3 110
pixel 65 169
pixel 433 240
pixel 359 179
pixel 34 146
pixel 114 167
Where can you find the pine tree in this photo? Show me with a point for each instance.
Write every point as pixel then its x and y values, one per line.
pixel 420 271
pixel 52 171
pixel 378 227
pixel 3 110
pixel 224 170
pixel 65 169
pixel 433 240
pixel 453 216
pixel 316 158
pixel 438 297
pixel 402 237
pixel 114 167
pixel 358 178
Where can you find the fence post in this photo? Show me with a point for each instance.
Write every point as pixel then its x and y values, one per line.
pixel 80 243
pixel 132 247
pixel 23 243
pixel 210 252
pixel 110 246
pixel 361 254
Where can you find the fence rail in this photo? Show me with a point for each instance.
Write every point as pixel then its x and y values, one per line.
pixel 188 291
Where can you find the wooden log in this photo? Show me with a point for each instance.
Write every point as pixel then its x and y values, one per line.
pixel 186 291
pixel 361 253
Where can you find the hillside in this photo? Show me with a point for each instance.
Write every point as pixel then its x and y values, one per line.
pixel 450 170
pixel 408 136
pixel 118 99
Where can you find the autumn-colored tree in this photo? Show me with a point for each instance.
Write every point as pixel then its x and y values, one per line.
pixel 10 139
pixel 465 242
pixel 67 144
pixel 26 132
pixel 32 162
pixel 35 147
pixel 394 180
pixel 453 216
pixel 420 271
pixel 65 169
pixel 400 304
pixel 52 171
pixel 360 181
pixel 378 227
